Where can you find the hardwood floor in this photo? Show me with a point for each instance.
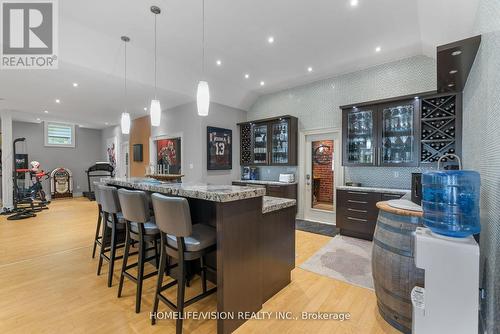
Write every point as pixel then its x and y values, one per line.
pixel 48 284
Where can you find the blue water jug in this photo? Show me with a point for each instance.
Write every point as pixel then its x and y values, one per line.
pixel 450 201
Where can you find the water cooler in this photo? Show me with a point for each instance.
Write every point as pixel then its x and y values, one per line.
pixel 449 303
pixel 447 252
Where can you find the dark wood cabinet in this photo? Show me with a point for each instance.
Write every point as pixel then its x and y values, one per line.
pixel 384 134
pixel 269 142
pixel 357 212
pixel 405 131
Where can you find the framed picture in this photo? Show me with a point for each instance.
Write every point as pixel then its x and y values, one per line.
pixel 219 148
pixel 168 155
pixel 111 151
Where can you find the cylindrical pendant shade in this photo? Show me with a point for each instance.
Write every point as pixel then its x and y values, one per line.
pixel 125 123
pixel 203 98
pixel 155 113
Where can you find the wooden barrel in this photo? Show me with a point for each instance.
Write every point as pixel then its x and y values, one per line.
pixel 393 265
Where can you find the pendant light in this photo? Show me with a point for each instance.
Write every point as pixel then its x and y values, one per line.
pixel 203 92
pixel 155 109
pixel 125 121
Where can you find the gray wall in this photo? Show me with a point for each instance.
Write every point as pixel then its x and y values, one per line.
pixel 481 151
pixel 317 104
pixel 110 132
pixel 86 152
pixel 184 119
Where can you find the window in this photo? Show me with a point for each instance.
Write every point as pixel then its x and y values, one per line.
pixel 59 134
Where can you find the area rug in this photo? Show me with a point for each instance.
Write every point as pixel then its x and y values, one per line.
pixel 314 227
pixel 344 258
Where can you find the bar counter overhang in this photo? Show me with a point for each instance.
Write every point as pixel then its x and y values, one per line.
pixel 255 241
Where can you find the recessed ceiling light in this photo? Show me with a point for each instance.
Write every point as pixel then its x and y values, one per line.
pixel 58 101
pixel 354 107
pixel 145 108
pixel 262 83
pixel 309 69
pixel 416 97
pixel 218 62
pixel 270 39
pixel 378 49
pixel 354 3
pixel 247 76
pixel 106 123
pixel 456 53
pixel 75 84
pixel 453 71
pixel 451 85
pixel 38 119
pixel 46 111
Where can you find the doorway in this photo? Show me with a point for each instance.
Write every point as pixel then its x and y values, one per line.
pixel 124 167
pixel 322 174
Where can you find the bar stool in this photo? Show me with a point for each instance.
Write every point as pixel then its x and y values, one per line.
pixel 98 237
pixel 140 227
pixel 182 240
pixel 113 219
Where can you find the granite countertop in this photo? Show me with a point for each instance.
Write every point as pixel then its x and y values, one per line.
pixel 376 190
pixel 214 193
pixel 277 183
pixel 270 204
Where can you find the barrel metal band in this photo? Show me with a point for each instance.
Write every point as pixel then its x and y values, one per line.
pixel 392 294
pixel 392 249
pixel 394 229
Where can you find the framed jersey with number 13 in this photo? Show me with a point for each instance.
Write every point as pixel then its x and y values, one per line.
pixel 219 148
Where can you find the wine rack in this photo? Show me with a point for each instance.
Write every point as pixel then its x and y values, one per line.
pixel 439 128
pixel 246 144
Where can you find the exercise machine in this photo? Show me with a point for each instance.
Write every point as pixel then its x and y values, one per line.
pixel 27 200
pixel 99 169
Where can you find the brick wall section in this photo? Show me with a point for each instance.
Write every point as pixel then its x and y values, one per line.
pixel 325 173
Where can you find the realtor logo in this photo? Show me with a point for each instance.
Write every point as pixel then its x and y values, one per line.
pixel 29 34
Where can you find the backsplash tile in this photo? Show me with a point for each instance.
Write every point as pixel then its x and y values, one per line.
pixel 481 152
pixel 317 104
pixel 272 173
pixel 386 177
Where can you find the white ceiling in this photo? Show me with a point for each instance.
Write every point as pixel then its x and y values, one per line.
pixel 329 35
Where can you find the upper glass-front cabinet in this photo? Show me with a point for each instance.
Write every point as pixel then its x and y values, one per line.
pixel 270 142
pixel 398 134
pixel 259 133
pixel 359 137
pixel 280 143
pixel 381 135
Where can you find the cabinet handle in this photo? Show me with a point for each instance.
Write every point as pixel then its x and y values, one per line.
pixel 357 219
pixel 357 193
pixel 360 202
pixel 356 210
pixel 392 195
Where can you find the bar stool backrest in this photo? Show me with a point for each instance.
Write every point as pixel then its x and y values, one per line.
pixel 172 215
pixel 109 199
pixel 97 192
pixel 135 206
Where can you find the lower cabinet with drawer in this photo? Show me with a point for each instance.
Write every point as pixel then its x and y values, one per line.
pixel 357 212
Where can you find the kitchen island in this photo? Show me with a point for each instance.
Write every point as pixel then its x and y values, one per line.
pixel 255 241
